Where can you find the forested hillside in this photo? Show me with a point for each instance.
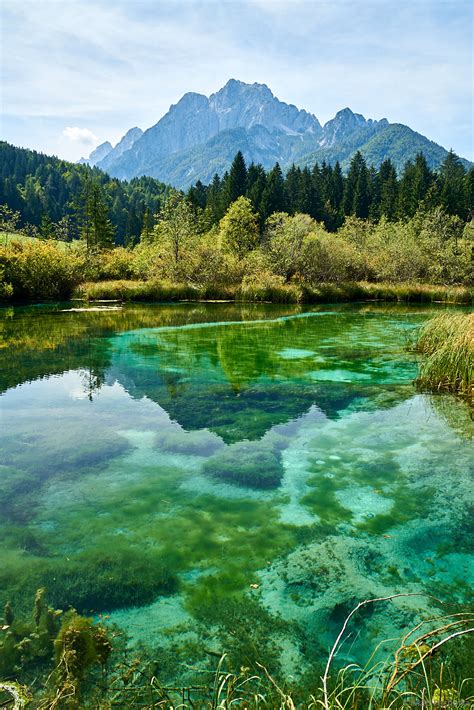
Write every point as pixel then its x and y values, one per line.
pixel 46 190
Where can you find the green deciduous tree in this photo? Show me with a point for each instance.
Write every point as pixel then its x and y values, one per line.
pixel 176 229
pixel 239 227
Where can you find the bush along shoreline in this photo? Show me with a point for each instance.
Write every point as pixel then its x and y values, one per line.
pixel 290 258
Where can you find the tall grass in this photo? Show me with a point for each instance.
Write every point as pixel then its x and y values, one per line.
pixel 446 343
pixel 163 291
pixel 275 293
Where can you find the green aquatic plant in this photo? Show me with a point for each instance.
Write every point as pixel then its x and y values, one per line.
pixel 246 464
pixel 79 645
pixel 446 343
pixel 17 693
pixel 24 645
pixel 87 667
pixel 97 581
pixel 59 648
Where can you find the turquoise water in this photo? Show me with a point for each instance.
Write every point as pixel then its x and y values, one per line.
pixel 231 478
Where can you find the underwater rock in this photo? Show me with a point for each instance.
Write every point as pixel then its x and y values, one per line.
pixel 190 443
pixel 248 464
pixel 324 577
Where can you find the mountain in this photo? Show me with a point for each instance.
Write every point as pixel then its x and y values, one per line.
pixel 123 145
pixel 200 136
pixel 242 113
pixel 97 155
pixel 107 155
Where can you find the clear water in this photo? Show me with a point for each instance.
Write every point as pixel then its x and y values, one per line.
pixel 223 477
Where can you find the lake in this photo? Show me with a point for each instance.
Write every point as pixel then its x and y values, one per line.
pixel 231 477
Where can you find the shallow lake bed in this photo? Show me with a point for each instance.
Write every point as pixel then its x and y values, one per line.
pixel 233 477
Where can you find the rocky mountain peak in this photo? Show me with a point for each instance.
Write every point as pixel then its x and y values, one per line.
pixel 200 136
pixel 97 154
pixel 241 105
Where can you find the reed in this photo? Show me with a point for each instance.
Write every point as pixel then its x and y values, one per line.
pixel 446 345
pixel 126 290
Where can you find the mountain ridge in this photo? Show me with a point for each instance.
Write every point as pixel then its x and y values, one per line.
pixel 200 135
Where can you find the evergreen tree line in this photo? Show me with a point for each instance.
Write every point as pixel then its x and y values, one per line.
pixel 68 200
pixel 55 198
pixel 328 196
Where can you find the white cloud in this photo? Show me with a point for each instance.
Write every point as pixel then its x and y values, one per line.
pixel 81 135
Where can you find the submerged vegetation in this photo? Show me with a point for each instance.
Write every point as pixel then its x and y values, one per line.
pixel 446 343
pixel 237 486
pixel 63 660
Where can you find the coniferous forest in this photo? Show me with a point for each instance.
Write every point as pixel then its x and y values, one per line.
pixel 45 190
pixel 251 234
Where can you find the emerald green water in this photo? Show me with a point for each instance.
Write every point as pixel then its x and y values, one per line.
pixel 230 478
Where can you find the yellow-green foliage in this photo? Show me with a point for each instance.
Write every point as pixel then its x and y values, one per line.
pixel 79 644
pixel 447 345
pixel 137 291
pixel 295 259
pixel 239 227
pixel 265 286
pixel 118 263
pixel 37 270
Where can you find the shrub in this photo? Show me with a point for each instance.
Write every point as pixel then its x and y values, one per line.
pixel 118 263
pixel 39 270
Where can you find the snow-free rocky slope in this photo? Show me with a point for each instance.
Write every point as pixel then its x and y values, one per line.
pixel 200 135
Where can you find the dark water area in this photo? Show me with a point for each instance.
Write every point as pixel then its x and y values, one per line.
pixel 231 477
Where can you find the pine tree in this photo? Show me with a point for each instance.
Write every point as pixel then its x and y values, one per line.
pixel 451 176
pixel 237 180
pixel 388 190
pixel 46 230
pixel 293 189
pixel 356 197
pixel 273 197
pixel 256 182
pixel 97 229
pixel 214 210
pixel 317 205
pixel 197 195
pixel 422 178
pixel 148 223
pixel 469 194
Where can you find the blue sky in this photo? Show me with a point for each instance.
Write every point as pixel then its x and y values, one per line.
pixel 78 72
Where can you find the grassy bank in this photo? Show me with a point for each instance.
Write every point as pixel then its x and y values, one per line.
pixel 137 290
pixel 446 344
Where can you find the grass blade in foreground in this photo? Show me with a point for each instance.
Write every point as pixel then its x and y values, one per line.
pixel 447 344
